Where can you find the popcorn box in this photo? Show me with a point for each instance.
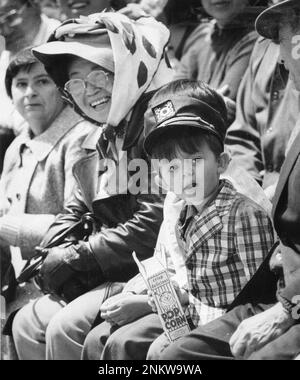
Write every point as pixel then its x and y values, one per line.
pixel 169 309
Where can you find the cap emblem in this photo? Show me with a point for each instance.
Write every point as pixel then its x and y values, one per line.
pixel 164 111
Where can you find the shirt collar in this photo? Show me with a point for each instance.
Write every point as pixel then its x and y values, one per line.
pixel 222 202
pixel 92 138
pixel 42 145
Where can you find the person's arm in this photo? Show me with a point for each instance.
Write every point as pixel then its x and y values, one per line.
pixel 243 137
pixel 125 308
pixel 291 269
pixel 107 250
pixel 254 236
pixel 113 247
pixel 27 230
pixel 238 63
pixel 187 67
pixel 255 332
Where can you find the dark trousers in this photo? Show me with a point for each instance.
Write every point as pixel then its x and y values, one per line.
pixel 129 342
pixel 211 342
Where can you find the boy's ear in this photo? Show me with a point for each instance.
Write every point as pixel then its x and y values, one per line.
pixel 223 162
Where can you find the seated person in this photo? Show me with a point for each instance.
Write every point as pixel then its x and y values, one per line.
pixel 218 51
pixel 266 101
pixel 265 331
pixel 109 76
pixel 37 177
pixel 224 236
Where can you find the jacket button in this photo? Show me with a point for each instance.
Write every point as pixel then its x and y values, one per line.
pixel 270 168
pixel 275 95
pixel 18 196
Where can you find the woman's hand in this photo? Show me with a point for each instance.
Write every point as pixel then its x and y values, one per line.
pixel 255 332
pixel 124 308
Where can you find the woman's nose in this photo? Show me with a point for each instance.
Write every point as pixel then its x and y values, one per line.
pixel 90 88
pixel 30 91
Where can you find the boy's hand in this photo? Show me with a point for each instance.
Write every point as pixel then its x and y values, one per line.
pixel 181 294
pixel 124 308
pixel 151 302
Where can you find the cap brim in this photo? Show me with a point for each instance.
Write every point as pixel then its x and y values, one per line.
pixel 50 52
pixel 158 133
pixel 267 22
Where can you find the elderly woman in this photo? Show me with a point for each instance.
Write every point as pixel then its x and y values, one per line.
pixel 109 69
pixel 37 178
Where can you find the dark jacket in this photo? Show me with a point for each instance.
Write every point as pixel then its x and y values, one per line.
pixel 127 222
pixel 262 288
pixel 286 214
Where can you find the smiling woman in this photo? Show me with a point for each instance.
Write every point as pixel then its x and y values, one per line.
pixel 109 67
pixel 90 86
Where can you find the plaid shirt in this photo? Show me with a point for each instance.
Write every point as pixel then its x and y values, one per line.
pixel 224 246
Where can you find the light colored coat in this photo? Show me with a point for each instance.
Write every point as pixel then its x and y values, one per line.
pixel 37 179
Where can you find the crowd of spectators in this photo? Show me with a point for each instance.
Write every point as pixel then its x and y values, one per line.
pixel 89 87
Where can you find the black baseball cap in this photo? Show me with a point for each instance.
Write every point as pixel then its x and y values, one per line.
pixel 267 23
pixel 178 112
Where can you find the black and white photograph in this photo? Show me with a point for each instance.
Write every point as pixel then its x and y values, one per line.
pixel 150 183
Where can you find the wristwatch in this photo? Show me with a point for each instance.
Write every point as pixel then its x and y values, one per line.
pixel 286 303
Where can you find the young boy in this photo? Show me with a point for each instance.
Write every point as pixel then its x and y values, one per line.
pixel 224 236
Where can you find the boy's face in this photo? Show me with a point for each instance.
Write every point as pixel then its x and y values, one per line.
pixel 192 177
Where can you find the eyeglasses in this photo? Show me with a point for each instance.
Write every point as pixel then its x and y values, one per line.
pixel 97 78
pixel 12 18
